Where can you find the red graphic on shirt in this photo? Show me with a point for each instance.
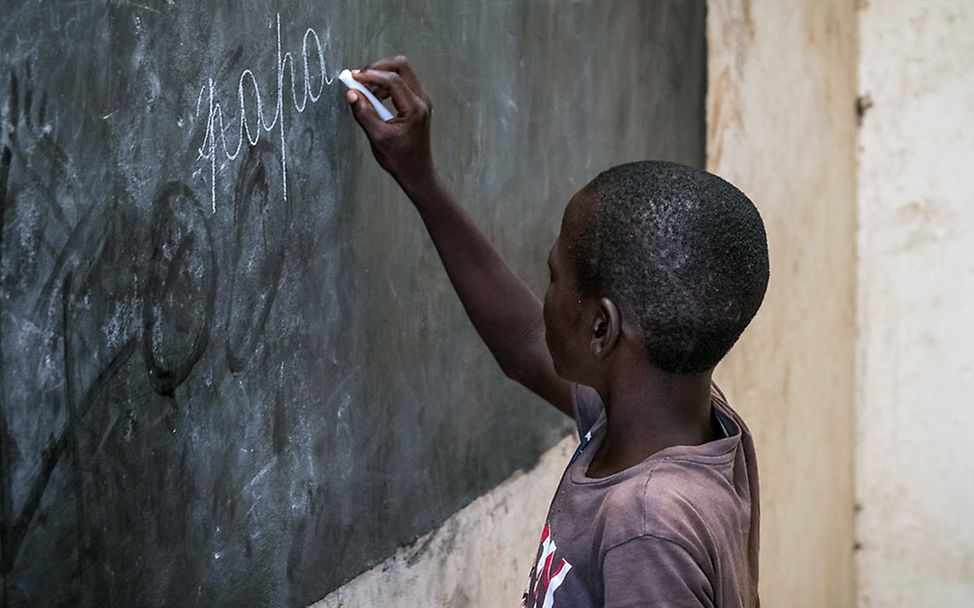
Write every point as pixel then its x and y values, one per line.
pixel 547 574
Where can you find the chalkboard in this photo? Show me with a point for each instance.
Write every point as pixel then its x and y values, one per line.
pixel 233 371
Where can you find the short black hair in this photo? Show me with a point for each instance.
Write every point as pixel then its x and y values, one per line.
pixel 681 250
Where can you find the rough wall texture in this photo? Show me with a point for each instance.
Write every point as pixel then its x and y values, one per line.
pixel 781 126
pixel 915 477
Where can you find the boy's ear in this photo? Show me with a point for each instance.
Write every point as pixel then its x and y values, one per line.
pixel 605 328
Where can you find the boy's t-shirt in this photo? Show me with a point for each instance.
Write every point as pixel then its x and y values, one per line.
pixel 679 529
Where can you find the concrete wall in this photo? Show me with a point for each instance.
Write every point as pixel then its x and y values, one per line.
pixel 782 127
pixel 915 479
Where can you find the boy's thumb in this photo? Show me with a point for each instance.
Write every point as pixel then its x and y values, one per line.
pixel 363 111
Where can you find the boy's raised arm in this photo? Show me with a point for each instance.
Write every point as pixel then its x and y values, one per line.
pixel 506 314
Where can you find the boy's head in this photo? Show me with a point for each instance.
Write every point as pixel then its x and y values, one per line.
pixel 675 255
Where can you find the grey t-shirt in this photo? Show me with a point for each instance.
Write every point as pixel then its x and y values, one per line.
pixel 679 529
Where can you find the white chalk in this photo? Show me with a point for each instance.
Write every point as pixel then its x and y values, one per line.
pixel 350 82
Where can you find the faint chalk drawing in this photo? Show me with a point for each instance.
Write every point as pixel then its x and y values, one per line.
pixel 262 223
pixel 178 305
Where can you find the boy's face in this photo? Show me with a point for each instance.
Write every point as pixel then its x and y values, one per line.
pixel 565 308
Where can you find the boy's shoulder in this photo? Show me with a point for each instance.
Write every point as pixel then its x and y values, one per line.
pixel 688 514
pixel 689 495
pixel 689 521
pixel 684 498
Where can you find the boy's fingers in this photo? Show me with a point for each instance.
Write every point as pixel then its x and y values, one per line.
pixel 400 65
pixel 403 97
pixel 364 113
pixel 379 91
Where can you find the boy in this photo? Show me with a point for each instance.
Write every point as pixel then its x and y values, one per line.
pixel 657 270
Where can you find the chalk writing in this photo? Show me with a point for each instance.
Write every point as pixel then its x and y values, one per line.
pixel 215 136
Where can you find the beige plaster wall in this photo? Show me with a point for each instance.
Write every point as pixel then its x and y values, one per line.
pixel 782 127
pixel 915 479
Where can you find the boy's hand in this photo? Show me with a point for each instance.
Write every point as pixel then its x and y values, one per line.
pixel 401 145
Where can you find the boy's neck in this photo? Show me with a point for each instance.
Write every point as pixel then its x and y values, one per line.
pixel 647 411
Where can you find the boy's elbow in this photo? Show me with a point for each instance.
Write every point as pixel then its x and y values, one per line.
pixel 510 368
pixel 517 357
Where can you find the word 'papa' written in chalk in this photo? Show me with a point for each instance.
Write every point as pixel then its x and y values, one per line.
pixel 312 52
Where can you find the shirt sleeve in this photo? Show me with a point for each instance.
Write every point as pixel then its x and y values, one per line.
pixel 586 406
pixel 651 571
